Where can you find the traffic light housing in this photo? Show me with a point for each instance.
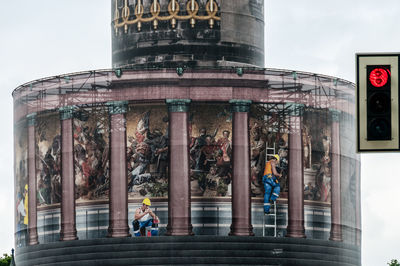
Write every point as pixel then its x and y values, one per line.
pixel 377 102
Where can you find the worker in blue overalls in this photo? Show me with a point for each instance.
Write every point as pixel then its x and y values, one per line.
pixel 271 183
pixel 145 220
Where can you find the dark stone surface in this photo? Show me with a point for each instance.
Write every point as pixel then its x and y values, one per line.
pixel 238 38
pixel 191 250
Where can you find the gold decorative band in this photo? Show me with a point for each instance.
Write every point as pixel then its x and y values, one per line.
pixel 122 16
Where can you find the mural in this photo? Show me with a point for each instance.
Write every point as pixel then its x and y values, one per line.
pixel 147 151
pixel 268 136
pixel 316 136
pixel 91 153
pixel 210 147
pixel 21 183
pixel 48 159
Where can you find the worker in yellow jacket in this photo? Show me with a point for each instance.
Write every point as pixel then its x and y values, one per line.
pixel 271 183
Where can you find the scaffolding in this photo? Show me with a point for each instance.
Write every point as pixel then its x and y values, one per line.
pixel 91 88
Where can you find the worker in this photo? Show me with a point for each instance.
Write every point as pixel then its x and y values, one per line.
pixel 271 183
pixel 145 220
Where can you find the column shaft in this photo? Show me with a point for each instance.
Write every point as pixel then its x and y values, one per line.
pixel 336 227
pixel 241 195
pixel 68 224
pixel 295 226
pixel 118 226
pixel 179 203
pixel 32 207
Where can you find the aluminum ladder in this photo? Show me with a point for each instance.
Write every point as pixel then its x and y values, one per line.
pixel 274 214
pixel 269 152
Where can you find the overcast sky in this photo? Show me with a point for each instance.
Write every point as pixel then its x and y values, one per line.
pixel 45 37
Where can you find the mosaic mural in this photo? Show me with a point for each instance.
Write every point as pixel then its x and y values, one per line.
pixel 48 159
pixel 268 136
pixel 147 151
pixel 317 140
pixel 210 147
pixel 91 153
pixel 21 182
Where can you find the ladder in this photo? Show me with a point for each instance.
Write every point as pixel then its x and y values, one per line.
pixel 270 151
pixel 270 225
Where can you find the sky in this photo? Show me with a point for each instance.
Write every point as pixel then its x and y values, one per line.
pixel 45 37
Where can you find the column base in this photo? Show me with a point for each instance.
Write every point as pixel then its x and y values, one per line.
pixel 241 231
pixel 336 233
pixel 180 230
pixel 295 232
pixel 68 235
pixel 118 232
pixel 33 237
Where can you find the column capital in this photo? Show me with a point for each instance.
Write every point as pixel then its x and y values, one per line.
pixel 335 114
pixel 31 119
pixel 117 107
pixel 66 112
pixel 295 109
pixel 240 105
pixel 178 105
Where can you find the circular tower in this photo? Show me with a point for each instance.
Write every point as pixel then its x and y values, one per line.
pixel 189 118
pixel 188 33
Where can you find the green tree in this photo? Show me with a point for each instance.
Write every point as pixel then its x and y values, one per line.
pixel 5 260
pixel 394 262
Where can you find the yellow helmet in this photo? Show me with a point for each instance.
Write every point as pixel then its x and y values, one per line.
pixel 276 156
pixel 26 187
pixel 147 202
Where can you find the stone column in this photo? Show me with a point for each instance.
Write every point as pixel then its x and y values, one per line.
pixel 32 211
pixel 179 203
pixel 68 224
pixel 336 221
pixel 241 196
pixel 295 226
pixel 118 225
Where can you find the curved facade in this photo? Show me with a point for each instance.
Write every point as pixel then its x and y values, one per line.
pixel 83 133
pixel 191 131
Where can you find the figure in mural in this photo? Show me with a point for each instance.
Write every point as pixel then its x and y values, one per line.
pixel 271 183
pixel 224 154
pixel 147 153
pixel 197 151
pixel 306 147
pixel 323 179
pixel 283 167
pixel 21 187
pixel 210 154
pixel 91 155
pixel 142 128
pixel 207 156
pixel 310 192
pixel 145 220
pixel 257 161
pixel 212 181
pixel 22 217
pixel 159 149
pixel 139 161
pixel 317 148
pixel 48 153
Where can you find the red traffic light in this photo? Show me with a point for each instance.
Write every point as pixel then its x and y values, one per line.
pixel 379 77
